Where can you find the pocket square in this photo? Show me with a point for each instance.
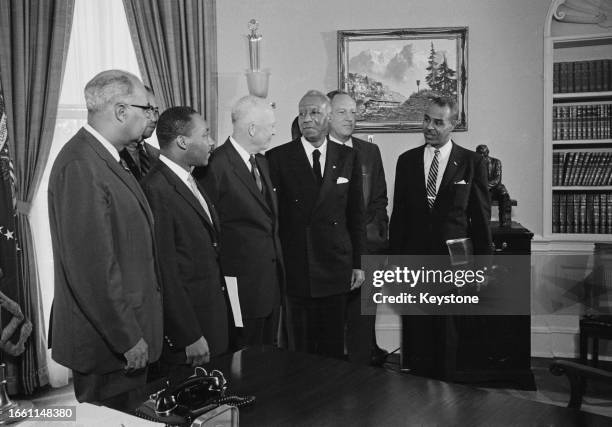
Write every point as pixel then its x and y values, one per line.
pixel 462 182
pixel 341 180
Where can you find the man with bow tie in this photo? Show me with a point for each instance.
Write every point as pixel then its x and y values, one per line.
pixel 187 233
pixel 322 231
pixel 441 193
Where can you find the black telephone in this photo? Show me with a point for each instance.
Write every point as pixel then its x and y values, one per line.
pixel 197 394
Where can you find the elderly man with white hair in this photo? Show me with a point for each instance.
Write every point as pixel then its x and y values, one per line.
pixel 238 182
pixel 106 322
pixel 321 216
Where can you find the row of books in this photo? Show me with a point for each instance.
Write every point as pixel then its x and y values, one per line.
pixel 582 168
pixel 582 76
pixel 592 121
pixel 582 213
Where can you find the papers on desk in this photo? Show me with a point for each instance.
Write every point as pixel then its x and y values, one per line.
pixel 232 291
pixel 88 415
pixel 92 415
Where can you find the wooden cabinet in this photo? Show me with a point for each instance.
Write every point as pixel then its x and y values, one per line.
pixel 497 349
pixel 483 350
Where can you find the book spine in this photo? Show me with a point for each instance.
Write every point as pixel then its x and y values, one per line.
pixel 563 213
pixel 596 219
pixel 599 76
pixel 555 213
pixel 583 218
pixel 609 213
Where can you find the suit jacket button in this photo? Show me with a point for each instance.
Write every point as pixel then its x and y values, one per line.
pixel 334 223
pixel 273 260
pixel 223 288
pixel 215 244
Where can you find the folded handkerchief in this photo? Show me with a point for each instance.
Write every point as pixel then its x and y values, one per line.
pixel 461 182
pixel 341 180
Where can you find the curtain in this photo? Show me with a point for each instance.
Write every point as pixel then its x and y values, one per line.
pixel 34 37
pixel 175 43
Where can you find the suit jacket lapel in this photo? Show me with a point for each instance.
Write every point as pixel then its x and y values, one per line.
pixel 211 208
pixel 125 176
pixel 181 188
pixel 265 175
pixel 329 175
pixel 419 175
pixel 241 170
pixel 454 161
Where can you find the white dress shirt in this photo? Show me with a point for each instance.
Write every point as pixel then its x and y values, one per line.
pixel 348 142
pixel 244 155
pixel 188 180
pixel 443 157
pixel 110 147
pixel 309 148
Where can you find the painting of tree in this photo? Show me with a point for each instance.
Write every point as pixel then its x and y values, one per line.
pixel 392 74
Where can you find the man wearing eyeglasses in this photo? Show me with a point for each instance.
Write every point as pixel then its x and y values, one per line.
pixel 106 321
pixel 140 156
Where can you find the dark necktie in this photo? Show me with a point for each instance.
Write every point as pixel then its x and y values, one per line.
pixel 316 166
pixel 432 178
pixel 143 157
pixel 255 173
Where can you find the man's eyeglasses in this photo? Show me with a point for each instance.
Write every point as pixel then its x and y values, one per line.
pixel 149 110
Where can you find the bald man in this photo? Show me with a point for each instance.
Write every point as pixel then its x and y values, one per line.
pixel 238 182
pixel 321 216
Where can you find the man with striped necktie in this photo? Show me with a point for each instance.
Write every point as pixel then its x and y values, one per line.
pixel 441 193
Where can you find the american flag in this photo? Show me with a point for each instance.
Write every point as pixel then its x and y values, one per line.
pixel 7 184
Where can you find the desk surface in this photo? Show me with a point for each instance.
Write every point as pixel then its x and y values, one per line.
pixel 303 390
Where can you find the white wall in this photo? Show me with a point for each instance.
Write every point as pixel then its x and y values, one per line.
pixel 504 76
pixel 505 83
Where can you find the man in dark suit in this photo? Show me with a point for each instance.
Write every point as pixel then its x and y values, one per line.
pixel 440 194
pixel 106 322
pixel 321 215
pixel 360 330
pixel 237 180
pixel 187 232
pixel 140 155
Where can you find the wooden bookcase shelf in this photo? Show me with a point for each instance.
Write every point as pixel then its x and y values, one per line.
pixel 578 137
pixel 583 188
pixel 582 96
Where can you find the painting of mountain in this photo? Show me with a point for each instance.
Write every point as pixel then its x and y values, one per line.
pixel 392 77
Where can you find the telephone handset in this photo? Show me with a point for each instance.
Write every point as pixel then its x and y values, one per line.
pixel 196 392
pixel 196 395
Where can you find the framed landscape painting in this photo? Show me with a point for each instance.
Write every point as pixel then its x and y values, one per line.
pixel 392 74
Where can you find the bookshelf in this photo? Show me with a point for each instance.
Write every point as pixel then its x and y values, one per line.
pixel 578 137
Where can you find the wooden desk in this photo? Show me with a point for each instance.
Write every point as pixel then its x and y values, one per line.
pixel 305 390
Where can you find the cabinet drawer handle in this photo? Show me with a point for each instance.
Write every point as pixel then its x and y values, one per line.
pixel 504 245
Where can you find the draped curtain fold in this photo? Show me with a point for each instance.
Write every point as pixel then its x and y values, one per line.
pixel 175 43
pixel 34 36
